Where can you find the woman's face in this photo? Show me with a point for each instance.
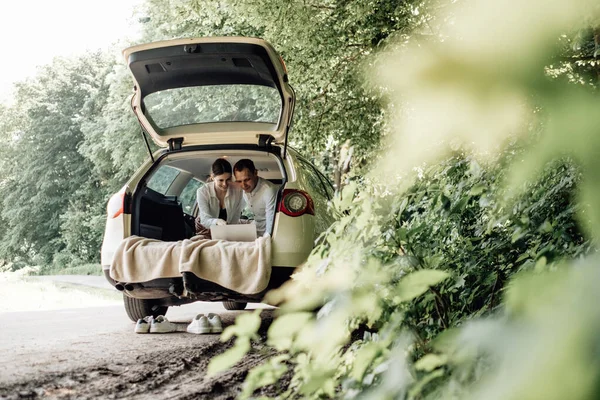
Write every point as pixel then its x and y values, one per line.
pixel 222 181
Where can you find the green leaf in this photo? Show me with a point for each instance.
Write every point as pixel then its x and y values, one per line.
pixel 403 205
pixel 263 375
pixel 429 362
pixel 228 359
pixel 517 234
pixel 418 387
pixel 460 205
pixel 344 202
pixel 283 330
pixel 446 341
pixel 364 358
pixel 540 264
pixel 246 325
pixel 445 201
pixel 402 234
pixel 417 283
pixel 477 190
pixel 318 380
pixel 546 227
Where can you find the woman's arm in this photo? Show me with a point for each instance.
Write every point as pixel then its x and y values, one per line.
pixel 203 198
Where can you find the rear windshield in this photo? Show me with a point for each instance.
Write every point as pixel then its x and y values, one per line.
pixel 219 103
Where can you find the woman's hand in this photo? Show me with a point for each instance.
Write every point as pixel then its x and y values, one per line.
pixel 198 225
pixel 220 222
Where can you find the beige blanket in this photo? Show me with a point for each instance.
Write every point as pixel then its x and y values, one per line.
pixel 244 267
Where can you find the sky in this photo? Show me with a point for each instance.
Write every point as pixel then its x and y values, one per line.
pixel 33 32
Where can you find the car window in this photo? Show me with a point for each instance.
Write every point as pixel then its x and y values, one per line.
pixel 315 180
pixel 188 195
pixel 162 178
pixel 213 103
pixel 326 184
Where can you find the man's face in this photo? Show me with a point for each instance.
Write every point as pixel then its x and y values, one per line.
pixel 246 179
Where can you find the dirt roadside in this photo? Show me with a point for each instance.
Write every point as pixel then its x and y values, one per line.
pixel 169 369
pixel 61 342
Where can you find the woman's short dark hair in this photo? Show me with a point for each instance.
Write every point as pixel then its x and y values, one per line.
pixel 221 166
pixel 243 164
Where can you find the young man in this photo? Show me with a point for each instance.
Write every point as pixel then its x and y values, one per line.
pixel 260 194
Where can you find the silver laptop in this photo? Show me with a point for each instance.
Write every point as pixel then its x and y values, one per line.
pixel 234 233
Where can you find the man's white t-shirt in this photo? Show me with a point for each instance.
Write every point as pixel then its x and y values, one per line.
pixel 261 202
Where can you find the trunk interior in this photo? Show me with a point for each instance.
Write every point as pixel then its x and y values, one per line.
pixel 164 202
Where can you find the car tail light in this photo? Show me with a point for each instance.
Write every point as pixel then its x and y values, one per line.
pixel 116 204
pixel 295 203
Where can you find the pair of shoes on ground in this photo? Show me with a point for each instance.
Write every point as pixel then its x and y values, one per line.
pixel 201 323
pixel 159 324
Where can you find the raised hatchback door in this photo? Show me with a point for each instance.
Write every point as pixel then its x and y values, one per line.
pixel 211 91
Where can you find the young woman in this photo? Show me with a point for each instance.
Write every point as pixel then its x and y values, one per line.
pixel 219 202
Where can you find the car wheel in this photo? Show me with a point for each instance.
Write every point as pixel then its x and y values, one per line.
pixel 234 305
pixel 140 308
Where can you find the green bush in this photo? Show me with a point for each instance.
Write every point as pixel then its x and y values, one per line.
pixel 415 265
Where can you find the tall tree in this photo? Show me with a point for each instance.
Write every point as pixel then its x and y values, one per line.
pixel 45 173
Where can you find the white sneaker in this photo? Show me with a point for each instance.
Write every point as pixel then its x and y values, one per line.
pixel 215 323
pixel 199 325
pixel 162 325
pixel 143 324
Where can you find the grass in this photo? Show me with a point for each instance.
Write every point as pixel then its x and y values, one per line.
pixel 84 269
pixel 21 292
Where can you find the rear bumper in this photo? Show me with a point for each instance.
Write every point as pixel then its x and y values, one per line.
pixel 190 288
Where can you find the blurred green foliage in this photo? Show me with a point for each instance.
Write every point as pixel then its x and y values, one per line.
pixel 467 258
pixel 417 266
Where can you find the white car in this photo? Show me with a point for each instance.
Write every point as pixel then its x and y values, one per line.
pixel 199 100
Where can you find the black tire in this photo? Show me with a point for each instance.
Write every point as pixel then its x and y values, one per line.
pixel 140 308
pixel 234 305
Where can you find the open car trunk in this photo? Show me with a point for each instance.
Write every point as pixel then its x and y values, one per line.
pixel 164 203
pixel 212 90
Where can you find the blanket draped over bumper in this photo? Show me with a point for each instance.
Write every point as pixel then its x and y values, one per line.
pixel 244 267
